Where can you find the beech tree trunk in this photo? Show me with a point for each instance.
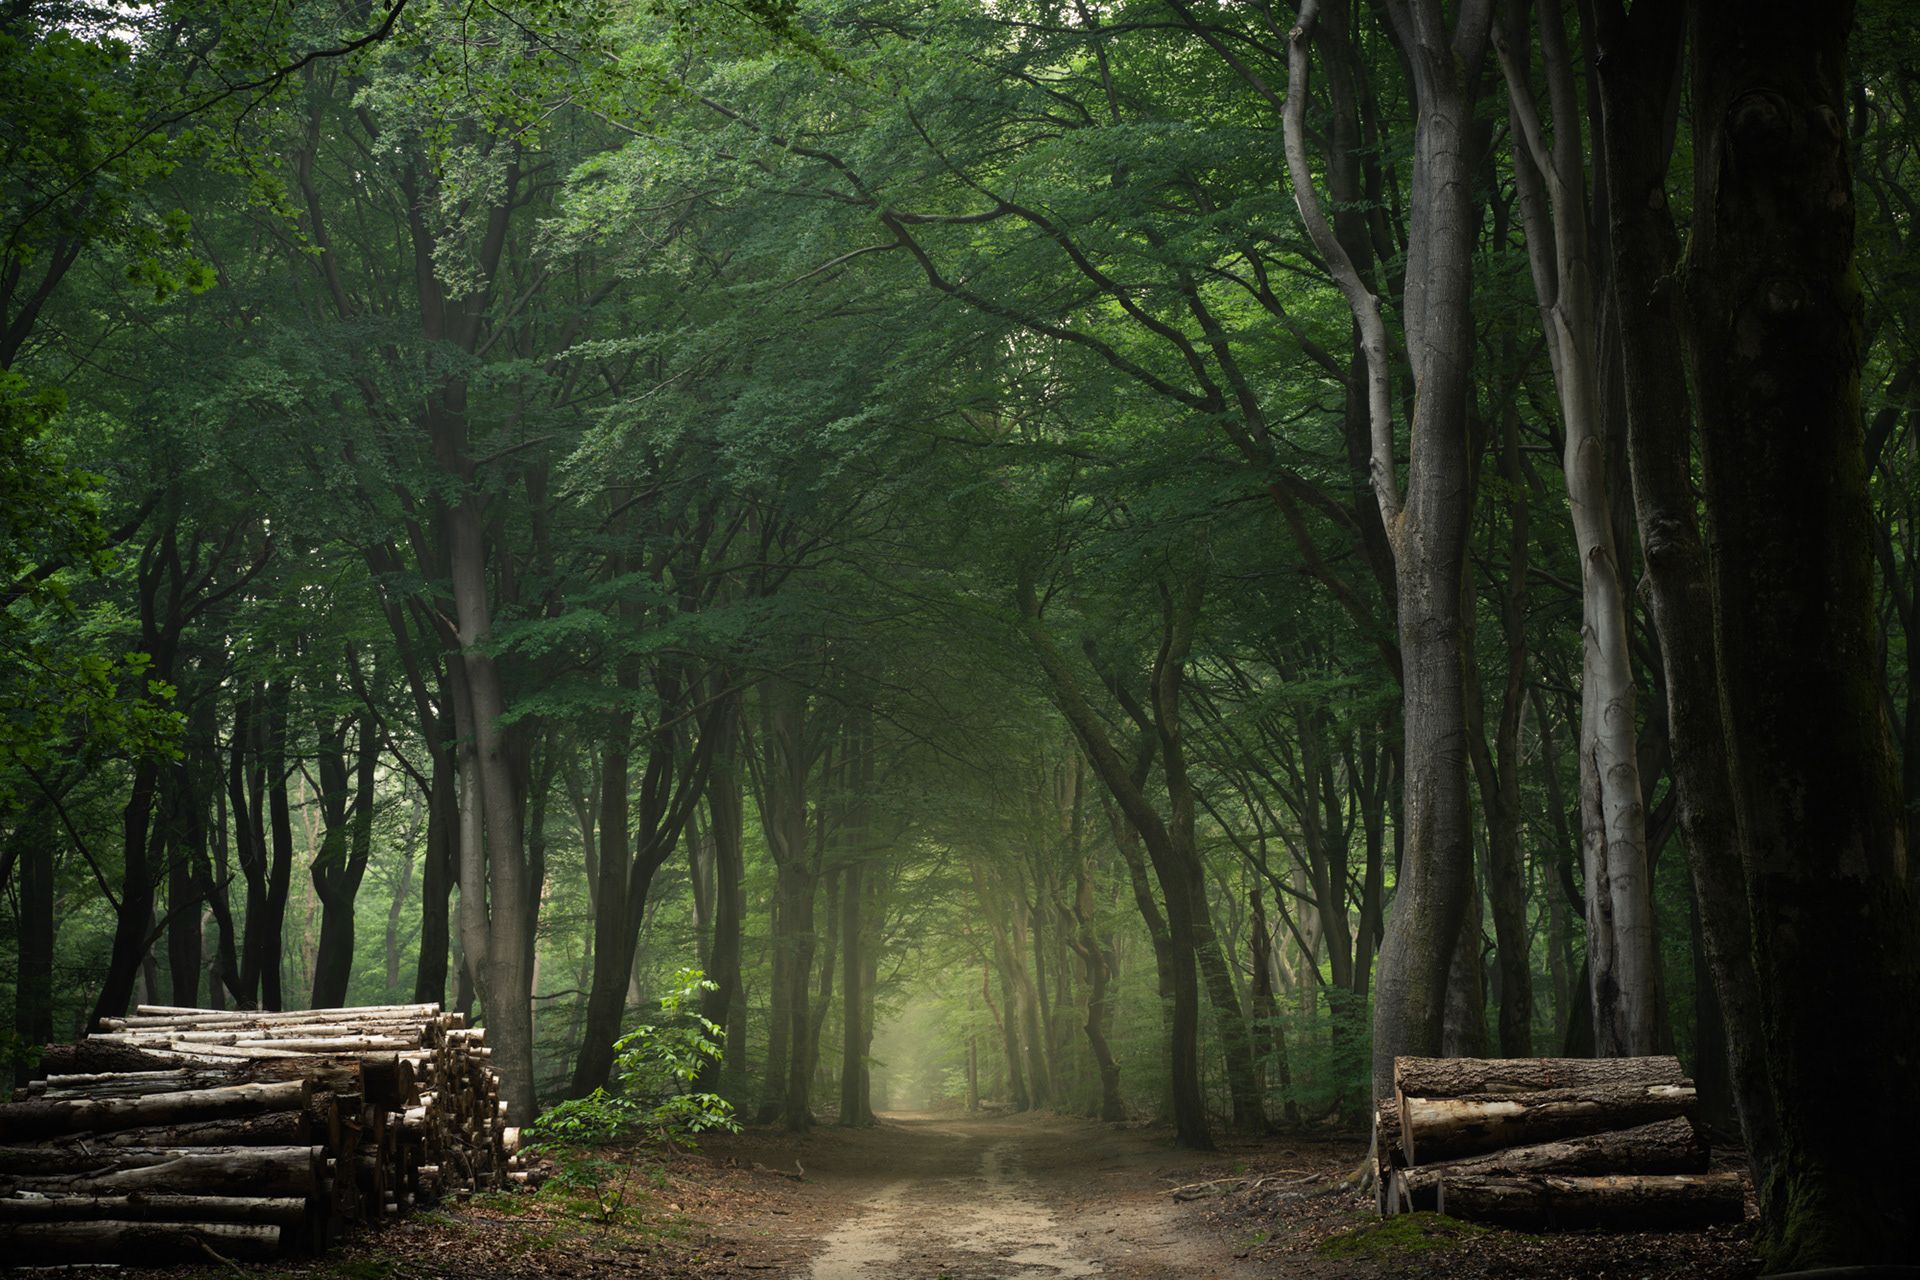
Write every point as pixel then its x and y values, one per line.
pixel 1569 274
pixel 346 844
pixel 1772 328
pixel 726 822
pixel 438 874
pixel 1160 835
pixel 1427 530
pixel 33 987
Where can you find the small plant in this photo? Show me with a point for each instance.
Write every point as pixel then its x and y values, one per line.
pixel 654 1065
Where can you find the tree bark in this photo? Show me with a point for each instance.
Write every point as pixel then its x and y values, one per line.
pixel 1639 80
pixel 1568 276
pixel 1428 529
pixel 137 1242
pixel 284 1211
pixel 33 985
pixel 1621 1202
pixel 1666 1146
pixel 240 1171
pixel 1437 1129
pixel 726 823
pixel 345 847
pixel 1456 1077
pixel 22 1121
pixel 1772 311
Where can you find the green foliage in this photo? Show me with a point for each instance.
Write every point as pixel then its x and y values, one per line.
pixel 655 1064
pixel 63 689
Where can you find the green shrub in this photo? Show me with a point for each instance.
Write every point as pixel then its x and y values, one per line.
pixel 655 1066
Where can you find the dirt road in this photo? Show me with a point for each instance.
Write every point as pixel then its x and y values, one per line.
pixel 964 1198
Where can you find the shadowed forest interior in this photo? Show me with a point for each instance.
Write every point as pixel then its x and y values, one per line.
pixel 1133 558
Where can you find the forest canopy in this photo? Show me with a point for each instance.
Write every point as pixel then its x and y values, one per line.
pixel 1138 557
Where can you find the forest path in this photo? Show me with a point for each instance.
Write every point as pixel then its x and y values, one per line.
pixel 1028 1197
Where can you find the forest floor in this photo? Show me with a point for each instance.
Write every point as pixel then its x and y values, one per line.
pixel 959 1197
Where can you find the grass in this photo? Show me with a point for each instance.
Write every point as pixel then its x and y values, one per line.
pixel 1398 1236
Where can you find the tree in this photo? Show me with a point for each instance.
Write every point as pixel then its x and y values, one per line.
pixel 1771 320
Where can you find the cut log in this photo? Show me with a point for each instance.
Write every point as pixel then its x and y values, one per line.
pixel 129 1084
pixel 28 1243
pixel 1457 1077
pixel 92 1056
pixel 1623 1201
pixel 41 1118
pixel 1437 1129
pixel 286 1211
pixel 233 1044
pixel 273 1129
pixel 218 1171
pixel 385 1079
pixel 1387 1154
pixel 1666 1146
pixel 163 1015
pixel 400 1105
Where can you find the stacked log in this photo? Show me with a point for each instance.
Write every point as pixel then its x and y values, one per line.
pixel 180 1134
pixel 1549 1142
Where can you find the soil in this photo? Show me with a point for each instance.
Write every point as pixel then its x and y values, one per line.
pixel 982 1197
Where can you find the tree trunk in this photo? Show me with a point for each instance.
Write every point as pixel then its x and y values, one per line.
pixel 437 875
pixel 493 900
pixel 798 888
pixel 396 908
pixel 1567 272
pixel 1125 783
pixel 856 1108
pixel 1429 539
pixel 1464 1031
pixel 616 921
pixel 135 916
pixel 1639 79
pixel 345 847
pixel 33 985
pixel 1099 965
pixel 273 757
pixel 726 822
pixel 1009 1036
pixel 828 957
pixel 186 838
pixel 1772 331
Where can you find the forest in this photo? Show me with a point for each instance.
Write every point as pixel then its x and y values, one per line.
pixel 1136 559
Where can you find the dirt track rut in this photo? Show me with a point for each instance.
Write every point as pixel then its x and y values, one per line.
pixel 965 1198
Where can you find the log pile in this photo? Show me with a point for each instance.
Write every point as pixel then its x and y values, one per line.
pixel 183 1134
pixel 1549 1142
